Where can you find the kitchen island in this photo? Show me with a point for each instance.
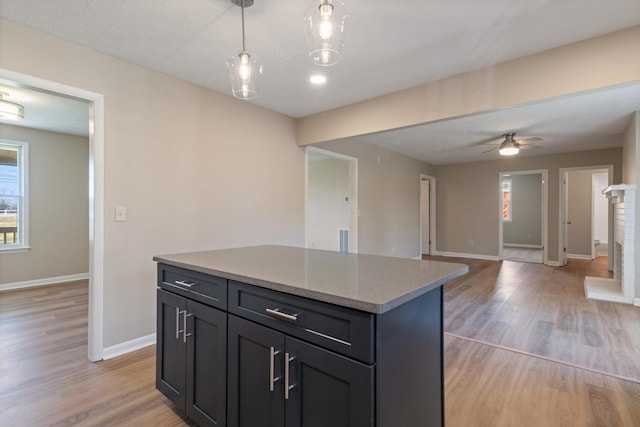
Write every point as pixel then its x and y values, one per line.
pixel 284 336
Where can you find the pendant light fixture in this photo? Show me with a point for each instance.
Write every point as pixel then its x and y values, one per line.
pixel 10 110
pixel 244 72
pixel 325 22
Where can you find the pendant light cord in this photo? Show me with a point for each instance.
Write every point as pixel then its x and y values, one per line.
pixel 242 11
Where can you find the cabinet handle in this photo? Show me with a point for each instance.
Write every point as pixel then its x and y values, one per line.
pixel 277 312
pixel 272 379
pixel 177 323
pixel 183 283
pixel 184 331
pixel 287 387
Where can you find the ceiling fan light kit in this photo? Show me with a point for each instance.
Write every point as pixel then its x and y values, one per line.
pixel 244 72
pixel 325 23
pixel 10 110
pixel 511 147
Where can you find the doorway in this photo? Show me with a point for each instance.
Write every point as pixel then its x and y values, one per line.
pixel 585 225
pixel 427 214
pixel 523 216
pixel 331 201
pixel 96 197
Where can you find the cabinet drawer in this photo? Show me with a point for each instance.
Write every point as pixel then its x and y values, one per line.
pixel 343 330
pixel 210 290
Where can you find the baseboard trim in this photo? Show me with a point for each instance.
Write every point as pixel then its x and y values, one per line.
pixel 576 256
pixel 463 255
pixel 518 245
pixel 128 346
pixel 553 263
pixel 44 282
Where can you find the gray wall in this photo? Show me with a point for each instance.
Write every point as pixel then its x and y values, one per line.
pixel 58 207
pixel 467 198
pixel 526 226
pixel 388 198
pixel 579 213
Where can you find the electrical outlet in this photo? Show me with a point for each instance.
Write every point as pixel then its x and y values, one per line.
pixel 471 243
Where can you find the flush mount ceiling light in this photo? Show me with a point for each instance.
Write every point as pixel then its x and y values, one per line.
pixel 244 72
pixel 509 146
pixel 324 29
pixel 10 110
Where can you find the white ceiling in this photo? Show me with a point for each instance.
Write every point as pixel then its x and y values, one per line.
pixel 390 45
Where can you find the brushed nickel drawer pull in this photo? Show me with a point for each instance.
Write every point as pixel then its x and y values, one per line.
pixel 183 283
pixel 277 312
pixel 184 331
pixel 272 379
pixel 288 359
pixel 177 322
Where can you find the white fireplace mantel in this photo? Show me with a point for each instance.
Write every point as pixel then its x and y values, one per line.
pixel 622 287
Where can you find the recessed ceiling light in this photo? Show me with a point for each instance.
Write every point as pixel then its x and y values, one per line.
pixel 318 79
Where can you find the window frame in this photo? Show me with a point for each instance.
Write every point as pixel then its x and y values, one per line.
pixel 23 197
pixel 509 183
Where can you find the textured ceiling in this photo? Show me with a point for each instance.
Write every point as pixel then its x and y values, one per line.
pixel 390 45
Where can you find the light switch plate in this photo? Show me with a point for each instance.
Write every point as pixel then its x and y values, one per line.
pixel 121 213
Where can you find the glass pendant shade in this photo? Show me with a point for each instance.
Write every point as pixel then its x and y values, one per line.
pixel 325 22
pixel 244 74
pixel 10 110
pixel 508 150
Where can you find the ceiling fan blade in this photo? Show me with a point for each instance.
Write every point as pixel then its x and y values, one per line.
pixel 528 146
pixel 492 141
pixel 528 141
pixel 492 149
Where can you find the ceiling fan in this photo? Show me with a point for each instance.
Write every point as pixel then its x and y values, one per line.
pixel 510 146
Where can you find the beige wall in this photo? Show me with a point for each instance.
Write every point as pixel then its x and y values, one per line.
pixel 631 156
pixel 579 213
pixel 631 153
pixel 388 198
pixel 595 63
pixel 526 226
pixel 327 209
pixel 221 173
pixel 467 198
pixel 58 207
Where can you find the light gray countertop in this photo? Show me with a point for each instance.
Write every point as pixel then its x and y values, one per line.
pixel 370 283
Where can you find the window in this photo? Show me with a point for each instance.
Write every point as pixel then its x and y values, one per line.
pixel 13 196
pixel 506 201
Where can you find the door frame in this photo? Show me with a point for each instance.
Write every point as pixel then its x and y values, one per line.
pixel 594 254
pixel 96 198
pixel 544 206
pixel 354 211
pixel 432 212
pixel 562 201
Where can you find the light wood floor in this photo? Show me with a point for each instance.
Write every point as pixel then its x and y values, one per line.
pixel 542 310
pixel 523 254
pixel 46 379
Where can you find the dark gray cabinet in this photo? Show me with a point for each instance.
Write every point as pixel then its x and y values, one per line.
pixel 191 356
pixel 276 380
pixel 234 354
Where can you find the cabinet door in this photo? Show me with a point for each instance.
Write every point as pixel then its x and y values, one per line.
pixel 255 391
pixel 170 350
pixel 327 389
pixel 206 364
